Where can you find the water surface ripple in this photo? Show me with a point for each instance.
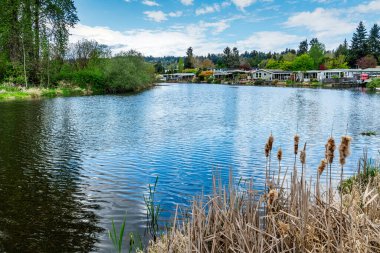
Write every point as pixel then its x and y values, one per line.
pixel 70 165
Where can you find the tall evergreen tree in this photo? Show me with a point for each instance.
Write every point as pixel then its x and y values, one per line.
pixel 374 41
pixel 359 46
pixel 189 60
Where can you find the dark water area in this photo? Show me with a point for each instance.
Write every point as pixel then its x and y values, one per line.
pixel 68 166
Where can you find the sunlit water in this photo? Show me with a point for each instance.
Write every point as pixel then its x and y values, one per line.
pixel 70 165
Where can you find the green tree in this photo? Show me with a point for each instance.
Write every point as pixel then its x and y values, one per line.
pixel 303 62
pixel 317 52
pixel 368 61
pixel 359 45
pixel 180 65
pixel 303 48
pixel 273 64
pixel 342 49
pixel 189 60
pixel 374 41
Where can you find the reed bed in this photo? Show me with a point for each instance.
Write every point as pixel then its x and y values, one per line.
pixel 304 217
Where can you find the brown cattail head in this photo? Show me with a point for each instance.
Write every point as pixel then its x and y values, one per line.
pixel 272 196
pixel 330 149
pixel 296 142
pixel 322 166
pixel 279 154
pixel 344 149
pixel 303 155
pixel 267 150
pixel 270 142
pixel 284 228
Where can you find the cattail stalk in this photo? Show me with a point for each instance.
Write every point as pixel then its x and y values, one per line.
pixel 344 152
pixel 279 158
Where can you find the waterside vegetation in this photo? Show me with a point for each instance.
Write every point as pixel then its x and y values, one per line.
pixel 294 213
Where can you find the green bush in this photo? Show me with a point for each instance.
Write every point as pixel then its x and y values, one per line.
pixel 375 83
pixel 128 72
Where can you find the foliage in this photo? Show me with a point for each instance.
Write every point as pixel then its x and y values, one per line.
pixel 117 237
pixel 303 62
pixel 180 65
pixel 359 44
pixel 375 83
pixel 153 211
pixel 189 60
pixel 317 52
pixel 368 61
pixel 303 48
pixel 374 41
pixel 128 72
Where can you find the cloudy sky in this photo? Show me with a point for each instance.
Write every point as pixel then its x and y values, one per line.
pixel 169 27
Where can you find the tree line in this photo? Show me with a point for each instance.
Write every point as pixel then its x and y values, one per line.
pixel 35 50
pixel 362 52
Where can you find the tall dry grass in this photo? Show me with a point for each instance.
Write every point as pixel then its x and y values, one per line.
pixel 304 217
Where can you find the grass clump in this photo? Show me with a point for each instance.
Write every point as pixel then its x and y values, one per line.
pixel 368 133
pixel 291 214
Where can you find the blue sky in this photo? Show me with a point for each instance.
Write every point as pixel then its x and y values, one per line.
pixel 169 27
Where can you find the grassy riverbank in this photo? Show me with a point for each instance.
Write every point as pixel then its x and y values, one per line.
pixel 294 214
pixel 8 92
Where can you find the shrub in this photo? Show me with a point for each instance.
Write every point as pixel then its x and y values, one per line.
pixel 375 83
pixel 128 72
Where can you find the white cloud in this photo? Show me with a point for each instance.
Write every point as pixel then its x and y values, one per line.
pixel 321 22
pixel 211 8
pixel 175 14
pixel 187 2
pixel 368 7
pixel 172 41
pixel 156 16
pixel 241 4
pixel 215 27
pixel 268 41
pixel 150 3
pixel 159 16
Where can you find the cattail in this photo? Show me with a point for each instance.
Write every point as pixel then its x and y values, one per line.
pixel 322 166
pixel 284 228
pixel 330 148
pixel 296 142
pixel 267 150
pixel 272 196
pixel 279 154
pixel 344 149
pixel 303 155
pixel 270 142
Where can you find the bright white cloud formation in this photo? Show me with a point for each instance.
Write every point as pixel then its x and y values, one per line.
pixel 159 16
pixel 150 3
pixel 321 22
pixel 368 7
pixel 268 41
pixel 176 40
pixel 241 4
pixel 187 2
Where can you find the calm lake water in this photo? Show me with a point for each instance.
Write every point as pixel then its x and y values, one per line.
pixel 70 165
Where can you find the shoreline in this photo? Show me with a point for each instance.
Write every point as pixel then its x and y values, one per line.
pixel 11 93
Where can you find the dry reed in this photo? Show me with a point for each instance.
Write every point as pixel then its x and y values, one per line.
pixel 281 219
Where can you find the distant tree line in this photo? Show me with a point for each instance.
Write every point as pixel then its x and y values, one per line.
pixel 363 52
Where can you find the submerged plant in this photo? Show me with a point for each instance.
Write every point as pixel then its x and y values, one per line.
pixel 117 237
pixel 153 211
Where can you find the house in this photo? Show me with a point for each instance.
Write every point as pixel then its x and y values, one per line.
pixel 177 77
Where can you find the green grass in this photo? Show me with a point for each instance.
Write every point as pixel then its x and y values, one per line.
pixel 368 133
pixel 9 92
pixel 370 171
